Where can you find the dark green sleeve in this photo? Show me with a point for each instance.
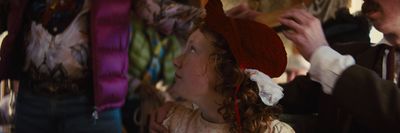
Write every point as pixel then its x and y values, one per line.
pixel 301 96
pixel 372 101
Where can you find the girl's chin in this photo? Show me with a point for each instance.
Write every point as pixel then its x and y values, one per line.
pixel 175 89
pixel 172 89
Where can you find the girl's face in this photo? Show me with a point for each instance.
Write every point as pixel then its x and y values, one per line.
pixel 195 74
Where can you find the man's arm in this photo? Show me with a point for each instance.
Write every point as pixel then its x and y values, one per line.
pixel 371 100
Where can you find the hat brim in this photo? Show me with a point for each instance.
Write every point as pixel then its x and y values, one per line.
pixel 253 44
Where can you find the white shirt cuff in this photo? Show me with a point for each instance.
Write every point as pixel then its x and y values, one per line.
pixel 327 65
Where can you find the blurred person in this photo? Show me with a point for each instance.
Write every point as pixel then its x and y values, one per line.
pixel 71 58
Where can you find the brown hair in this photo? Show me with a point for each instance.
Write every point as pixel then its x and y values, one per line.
pixel 254 114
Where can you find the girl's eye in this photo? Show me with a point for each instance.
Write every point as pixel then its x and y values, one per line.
pixel 192 49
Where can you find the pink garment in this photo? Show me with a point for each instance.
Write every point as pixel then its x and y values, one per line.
pixel 109 34
pixel 109 25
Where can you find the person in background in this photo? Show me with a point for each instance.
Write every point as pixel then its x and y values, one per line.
pixel 359 93
pixel 71 58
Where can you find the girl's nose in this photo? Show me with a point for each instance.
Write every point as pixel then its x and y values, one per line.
pixel 178 61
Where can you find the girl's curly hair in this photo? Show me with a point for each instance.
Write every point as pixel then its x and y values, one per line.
pixel 254 114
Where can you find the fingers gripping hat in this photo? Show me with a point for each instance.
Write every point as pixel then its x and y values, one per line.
pixel 253 44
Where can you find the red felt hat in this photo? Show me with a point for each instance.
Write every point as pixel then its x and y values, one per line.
pixel 253 44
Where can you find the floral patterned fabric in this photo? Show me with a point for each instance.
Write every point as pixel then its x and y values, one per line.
pixel 151 55
pixel 154 39
pixel 57 46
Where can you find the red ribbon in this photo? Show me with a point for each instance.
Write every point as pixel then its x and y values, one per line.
pixel 239 123
pixel 237 110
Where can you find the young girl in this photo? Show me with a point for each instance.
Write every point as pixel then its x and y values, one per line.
pixel 221 70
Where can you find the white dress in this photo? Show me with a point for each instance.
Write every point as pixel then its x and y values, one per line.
pixel 184 120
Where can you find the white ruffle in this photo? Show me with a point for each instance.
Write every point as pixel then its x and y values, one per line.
pixel 269 91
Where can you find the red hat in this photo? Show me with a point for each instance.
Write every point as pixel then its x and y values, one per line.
pixel 253 44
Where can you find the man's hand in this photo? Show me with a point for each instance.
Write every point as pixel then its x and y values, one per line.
pixel 305 31
pixel 158 116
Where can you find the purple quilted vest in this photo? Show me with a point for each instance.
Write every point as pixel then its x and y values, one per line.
pixel 109 27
